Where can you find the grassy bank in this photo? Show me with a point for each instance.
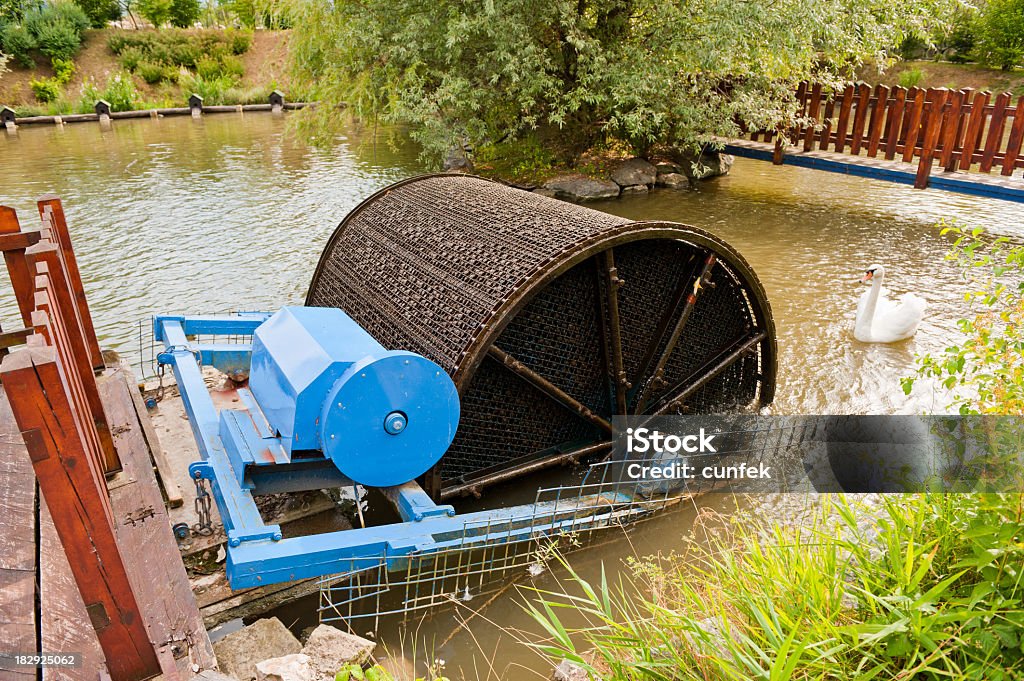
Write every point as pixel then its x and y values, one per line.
pixel 155 69
pixel 920 586
pixel 922 73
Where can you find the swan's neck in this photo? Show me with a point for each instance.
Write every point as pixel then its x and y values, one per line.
pixel 868 314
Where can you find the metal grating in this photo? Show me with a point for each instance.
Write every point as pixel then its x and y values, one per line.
pixel 449 265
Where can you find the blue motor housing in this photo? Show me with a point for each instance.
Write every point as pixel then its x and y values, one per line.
pixel 384 417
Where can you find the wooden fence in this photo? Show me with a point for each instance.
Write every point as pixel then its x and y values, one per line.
pixel 960 129
pixel 53 392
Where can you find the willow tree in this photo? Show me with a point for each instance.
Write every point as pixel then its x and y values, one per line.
pixel 643 72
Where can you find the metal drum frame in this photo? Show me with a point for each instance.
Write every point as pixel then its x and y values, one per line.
pixel 550 317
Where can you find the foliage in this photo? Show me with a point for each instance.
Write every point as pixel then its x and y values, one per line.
pixel 63 70
pixel 156 12
pixel 986 367
pixel 1000 39
pixel 16 41
pixel 260 13
pixel 927 586
pixel 45 89
pixel 911 78
pixel 184 13
pixel 160 55
pixel 119 92
pixel 642 71
pixel 55 30
pixel 101 12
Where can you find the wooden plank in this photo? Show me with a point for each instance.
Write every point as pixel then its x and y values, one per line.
pixel 17 546
pixel 915 114
pixel 51 211
pixel 952 130
pixel 17 266
pixel 813 110
pixel 1013 145
pixel 64 621
pixel 143 529
pixel 895 120
pixel 52 434
pixel 795 133
pixel 862 104
pixel 844 117
pixel 166 472
pixel 994 138
pixel 976 122
pixel 826 131
pixel 45 258
pixel 934 114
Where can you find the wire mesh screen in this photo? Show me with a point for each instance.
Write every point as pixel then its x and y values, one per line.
pixel 484 556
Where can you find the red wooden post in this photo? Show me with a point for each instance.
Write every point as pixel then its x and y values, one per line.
pixel 814 108
pixel 826 131
pixel 844 117
pixel 779 153
pixel 953 129
pixel 53 436
pixel 860 114
pixel 1013 145
pixel 13 242
pixel 975 124
pixel 913 121
pixel 801 97
pixel 895 120
pixel 877 122
pixel 930 136
pixel 996 126
pixel 51 212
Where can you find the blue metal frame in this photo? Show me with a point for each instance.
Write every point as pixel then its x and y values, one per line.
pixel 257 553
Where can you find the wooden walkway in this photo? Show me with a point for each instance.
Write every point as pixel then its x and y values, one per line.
pixel 155 570
pixel 976 184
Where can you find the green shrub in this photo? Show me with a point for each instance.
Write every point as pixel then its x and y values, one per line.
pixel 55 30
pixel 184 13
pixel 155 73
pixel 100 12
pixel 1000 34
pixel 156 12
pixel 119 92
pixel 16 41
pixel 46 89
pixel 63 70
pixel 130 58
pixel 212 90
pixel 911 78
pixel 58 40
pixel 241 41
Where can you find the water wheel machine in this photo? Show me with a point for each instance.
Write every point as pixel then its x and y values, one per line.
pixel 458 333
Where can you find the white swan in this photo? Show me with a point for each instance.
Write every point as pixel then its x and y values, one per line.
pixel 880 320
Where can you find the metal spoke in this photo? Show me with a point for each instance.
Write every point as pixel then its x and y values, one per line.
pixel 547 387
pixel 657 379
pixel 731 353
pixel 614 283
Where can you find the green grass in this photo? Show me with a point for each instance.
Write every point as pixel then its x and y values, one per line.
pixel 925 587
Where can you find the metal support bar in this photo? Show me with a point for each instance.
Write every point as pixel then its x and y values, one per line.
pixel 547 387
pixel 413 504
pixel 622 383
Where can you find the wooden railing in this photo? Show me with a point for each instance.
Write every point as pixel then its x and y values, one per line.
pixel 52 389
pixel 961 129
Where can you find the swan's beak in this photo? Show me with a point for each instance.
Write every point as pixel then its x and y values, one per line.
pixel 868 276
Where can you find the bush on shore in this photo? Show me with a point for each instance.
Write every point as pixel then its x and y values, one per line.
pixel 160 56
pixel 55 30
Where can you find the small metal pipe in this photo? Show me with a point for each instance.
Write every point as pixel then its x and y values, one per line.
pixel 678 296
pixel 547 387
pixel 657 379
pixel 473 486
pixel 716 367
pixel 615 327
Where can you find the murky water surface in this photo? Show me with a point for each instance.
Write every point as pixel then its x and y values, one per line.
pixel 231 213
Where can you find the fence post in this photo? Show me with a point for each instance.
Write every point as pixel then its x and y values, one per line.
pixel 13 243
pixel 75 495
pixel 930 137
pixel 1013 145
pixel 51 212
